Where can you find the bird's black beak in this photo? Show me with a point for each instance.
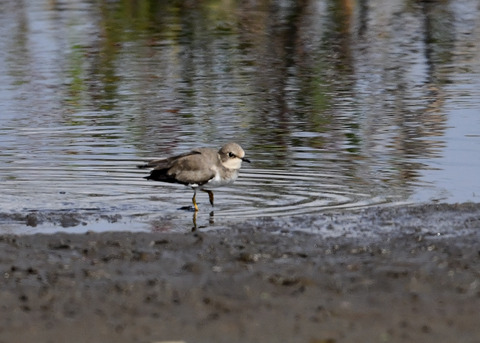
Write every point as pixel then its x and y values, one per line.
pixel 245 160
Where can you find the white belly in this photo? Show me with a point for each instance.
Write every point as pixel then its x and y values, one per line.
pixel 217 181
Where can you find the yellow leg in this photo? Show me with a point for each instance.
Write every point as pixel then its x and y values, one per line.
pixel 194 202
pixel 210 195
pixel 194 219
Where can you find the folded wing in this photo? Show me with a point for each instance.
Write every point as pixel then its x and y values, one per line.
pixel 180 169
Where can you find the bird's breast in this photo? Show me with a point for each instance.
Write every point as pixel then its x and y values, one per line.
pixel 222 178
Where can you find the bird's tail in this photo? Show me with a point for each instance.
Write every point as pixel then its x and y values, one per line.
pixel 162 163
pixel 143 166
pixel 160 175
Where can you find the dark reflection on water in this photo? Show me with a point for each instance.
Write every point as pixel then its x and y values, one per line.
pixel 340 104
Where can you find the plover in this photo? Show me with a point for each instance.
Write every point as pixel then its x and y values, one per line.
pixel 201 169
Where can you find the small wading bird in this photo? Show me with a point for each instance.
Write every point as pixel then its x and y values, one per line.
pixel 201 168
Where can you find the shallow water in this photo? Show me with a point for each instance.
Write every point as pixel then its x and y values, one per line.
pixel 339 105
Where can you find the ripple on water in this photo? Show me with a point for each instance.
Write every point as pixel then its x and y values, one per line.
pixel 89 170
pixel 100 184
pixel 278 193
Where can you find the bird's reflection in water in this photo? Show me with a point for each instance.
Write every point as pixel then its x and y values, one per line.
pixel 211 220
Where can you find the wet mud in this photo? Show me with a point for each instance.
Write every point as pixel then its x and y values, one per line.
pixel 400 274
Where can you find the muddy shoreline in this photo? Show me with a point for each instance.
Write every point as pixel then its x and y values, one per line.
pixel 400 274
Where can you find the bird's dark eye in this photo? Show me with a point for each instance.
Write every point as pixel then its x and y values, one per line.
pixel 231 155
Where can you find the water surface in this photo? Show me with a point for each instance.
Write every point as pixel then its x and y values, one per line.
pixel 339 104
